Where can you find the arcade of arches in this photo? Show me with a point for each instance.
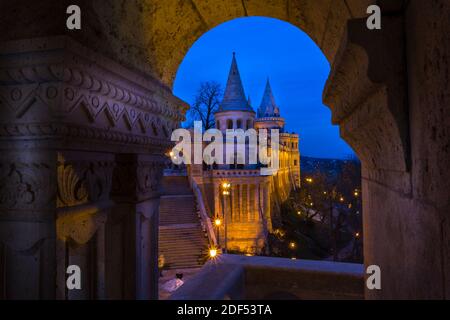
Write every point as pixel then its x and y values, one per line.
pixel 86 117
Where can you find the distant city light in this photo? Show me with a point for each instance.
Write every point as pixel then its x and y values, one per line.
pixel 292 245
pixel 309 180
pixel 357 235
pixel 342 199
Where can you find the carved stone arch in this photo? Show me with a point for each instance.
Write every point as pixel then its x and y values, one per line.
pixel 366 93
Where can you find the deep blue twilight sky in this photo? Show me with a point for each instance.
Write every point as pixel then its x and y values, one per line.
pixel 269 48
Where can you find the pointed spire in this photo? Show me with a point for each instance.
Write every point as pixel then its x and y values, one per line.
pixel 268 107
pixel 234 97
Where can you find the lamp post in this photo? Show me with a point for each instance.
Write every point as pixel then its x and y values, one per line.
pixel 225 192
pixel 217 223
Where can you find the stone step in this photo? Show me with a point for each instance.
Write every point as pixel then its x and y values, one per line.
pixel 175 185
pixel 182 241
pixel 186 243
pixel 168 222
pixel 198 248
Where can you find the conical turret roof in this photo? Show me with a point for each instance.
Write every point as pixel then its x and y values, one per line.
pixel 268 107
pixel 234 97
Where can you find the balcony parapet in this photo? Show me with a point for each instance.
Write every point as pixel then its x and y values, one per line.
pixel 255 278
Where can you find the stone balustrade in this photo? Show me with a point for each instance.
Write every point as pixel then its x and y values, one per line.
pixel 259 278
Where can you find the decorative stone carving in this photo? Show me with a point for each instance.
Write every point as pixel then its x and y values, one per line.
pixel 138 180
pixel 84 97
pixel 367 95
pixel 82 182
pixel 25 185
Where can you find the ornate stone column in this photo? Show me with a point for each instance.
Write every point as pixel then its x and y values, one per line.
pixel 267 217
pixel 257 201
pixel 83 205
pixel 67 115
pixel 27 221
pixel 134 226
pixel 248 216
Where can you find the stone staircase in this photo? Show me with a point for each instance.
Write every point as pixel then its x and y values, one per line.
pixel 182 241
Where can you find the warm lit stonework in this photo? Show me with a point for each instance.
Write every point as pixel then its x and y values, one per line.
pixel 254 199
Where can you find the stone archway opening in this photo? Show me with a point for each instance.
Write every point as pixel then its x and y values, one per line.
pixel 252 56
pixel 361 90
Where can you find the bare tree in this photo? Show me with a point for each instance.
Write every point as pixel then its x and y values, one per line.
pixel 206 103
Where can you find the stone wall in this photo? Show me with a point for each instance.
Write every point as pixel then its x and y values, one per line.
pixel 394 116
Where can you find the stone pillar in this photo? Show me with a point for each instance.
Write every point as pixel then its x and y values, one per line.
pixel 134 226
pixel 257 201
pixel 248 217
pixel 267 216
pixel 236 198
pixel 27 220
pixel 83 205
pixel 65 112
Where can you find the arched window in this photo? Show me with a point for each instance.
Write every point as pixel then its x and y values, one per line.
pixel 239 124
pixel 217 124
pixel 249 124
pixel 229 124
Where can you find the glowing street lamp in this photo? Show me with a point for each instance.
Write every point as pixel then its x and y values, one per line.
pixel 217 222
pixel 309 180
pixel 292 245
pixel 226 186
pixel 213 253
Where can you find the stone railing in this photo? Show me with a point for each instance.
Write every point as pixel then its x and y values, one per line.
pixel 256 278
pixel 205 220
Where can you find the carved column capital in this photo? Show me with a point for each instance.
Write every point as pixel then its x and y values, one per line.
pixel 367 94
pixel 137 177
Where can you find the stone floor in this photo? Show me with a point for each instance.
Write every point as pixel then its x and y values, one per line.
pixel 170 275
